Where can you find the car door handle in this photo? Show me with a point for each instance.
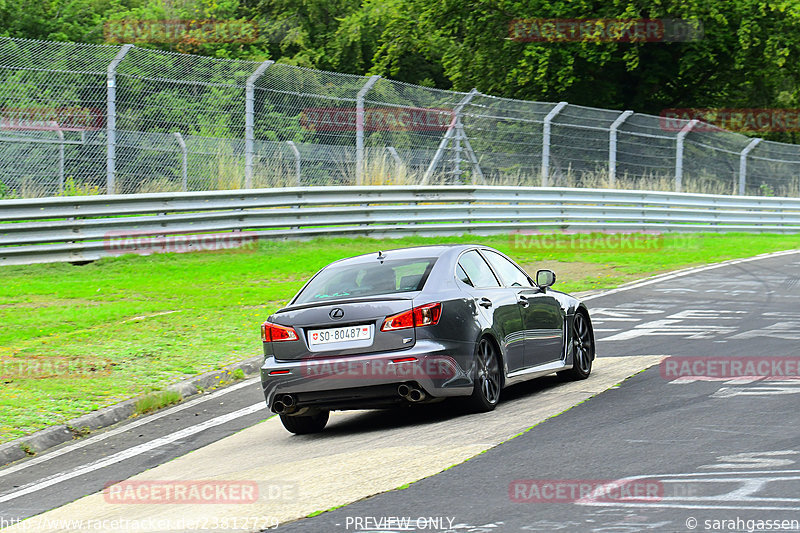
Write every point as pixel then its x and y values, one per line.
pixel 523 301
pixel 485 302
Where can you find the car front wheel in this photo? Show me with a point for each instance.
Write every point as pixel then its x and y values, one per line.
pixel 582 349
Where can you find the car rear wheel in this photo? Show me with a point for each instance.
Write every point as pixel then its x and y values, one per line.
pixel 582 349
pixel 486 393
pixel 305 424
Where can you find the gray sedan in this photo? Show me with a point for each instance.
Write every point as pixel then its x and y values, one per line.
pixel 418 325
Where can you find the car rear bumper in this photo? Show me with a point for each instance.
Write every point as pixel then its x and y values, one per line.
pixel 369 381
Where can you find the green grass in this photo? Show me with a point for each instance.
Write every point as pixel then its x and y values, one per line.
pixel 128 326
pixel 155 401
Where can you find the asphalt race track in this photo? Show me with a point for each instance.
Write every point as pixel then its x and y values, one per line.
pixel 711 454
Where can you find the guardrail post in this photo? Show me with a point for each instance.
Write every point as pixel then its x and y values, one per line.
pixel 679 153
pixel 451 130
pixel 360 128
pixel 296 160
pixel 612 146
pixel 184 161
pixel 546 141
pixel 249 122
pixel 111 119
pixel 743 163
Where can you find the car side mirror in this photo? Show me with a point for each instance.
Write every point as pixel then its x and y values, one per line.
pixel 545 278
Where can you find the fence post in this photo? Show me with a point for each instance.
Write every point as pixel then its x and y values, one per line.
pixel 546 141
pixel 360 128
pixel 451 129
pixel 395 156
pixel 184 161
pixel 679 153
pixel 612 146
pixel 296 160
pixel 743 163
pixel 60 134
pixel 111 119
pixel 249 121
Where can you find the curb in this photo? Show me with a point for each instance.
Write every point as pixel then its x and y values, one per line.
pixel 108 416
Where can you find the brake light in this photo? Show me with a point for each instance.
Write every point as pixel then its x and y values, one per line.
pixel 274 333
pixel 423 315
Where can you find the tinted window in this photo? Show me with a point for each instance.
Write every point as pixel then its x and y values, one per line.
pixel 478 271
pixel 508 271
pixel 367 279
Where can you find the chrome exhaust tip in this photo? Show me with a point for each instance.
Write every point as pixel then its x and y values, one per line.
pixel 403 390
pixel 279 407
pixel 416 395
pixel 288 400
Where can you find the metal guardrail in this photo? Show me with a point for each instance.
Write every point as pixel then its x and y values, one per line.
pixel 90 227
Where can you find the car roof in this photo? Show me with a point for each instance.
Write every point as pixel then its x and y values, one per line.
pixel 434 250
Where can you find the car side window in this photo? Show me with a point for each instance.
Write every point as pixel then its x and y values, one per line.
pixel 477 270
pixel 463 275
pixel 511 275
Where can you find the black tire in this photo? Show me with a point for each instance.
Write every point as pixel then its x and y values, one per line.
pixel 305 424
pixel 488 378
pixel 582 340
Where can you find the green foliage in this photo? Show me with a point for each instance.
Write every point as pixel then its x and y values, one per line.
pixel 744 58
pixel 75 188
pixel 25 447
pixel 740 61
pixel 58 20
pixel 156 401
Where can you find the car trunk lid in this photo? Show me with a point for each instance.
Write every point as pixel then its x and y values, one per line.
pixel 340 328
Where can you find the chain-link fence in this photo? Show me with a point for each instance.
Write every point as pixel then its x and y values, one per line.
pixel 95 119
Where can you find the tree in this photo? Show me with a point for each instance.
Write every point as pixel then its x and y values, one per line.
pixel 742 59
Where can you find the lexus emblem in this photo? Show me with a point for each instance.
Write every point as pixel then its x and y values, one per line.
pixel 336 313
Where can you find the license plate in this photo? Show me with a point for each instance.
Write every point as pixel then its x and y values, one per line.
pixel 344 334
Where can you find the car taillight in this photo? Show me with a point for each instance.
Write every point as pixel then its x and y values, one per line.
pixel 275 333
pixel 423 315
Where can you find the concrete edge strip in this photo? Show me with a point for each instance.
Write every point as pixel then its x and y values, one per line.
pixel 624 368
pixel 651 361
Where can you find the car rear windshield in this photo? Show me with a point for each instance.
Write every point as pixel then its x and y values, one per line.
pixel 367 279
